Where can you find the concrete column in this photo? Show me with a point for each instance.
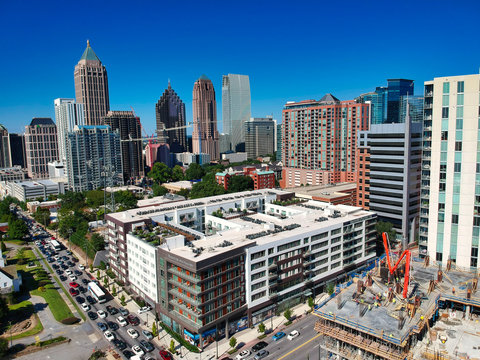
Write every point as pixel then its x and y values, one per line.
pixel 227 333
pixel 338 345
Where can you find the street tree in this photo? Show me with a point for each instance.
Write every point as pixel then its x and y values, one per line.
pixel 194 172
pixel 160 173
pixel 177 173
pixel 233 342
pixel 287 314
pixel 159 190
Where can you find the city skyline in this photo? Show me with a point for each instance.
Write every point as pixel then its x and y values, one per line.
pixel 136 77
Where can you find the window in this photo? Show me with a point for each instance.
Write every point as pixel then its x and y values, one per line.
pixel 459 124
pixel 258 285
pixel 446 87
pixel 460 86
pixel 441 207
pixel 258 275
pixel 444 135
pixel 444 112
pixel 457 167
pixel 442 187
pixel 454 219
pixel 458 146
pixel 257 255
pixel 258 265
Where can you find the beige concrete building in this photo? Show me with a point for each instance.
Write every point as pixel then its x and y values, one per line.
pixel 91 86
pixel 205 136
pixel 41 145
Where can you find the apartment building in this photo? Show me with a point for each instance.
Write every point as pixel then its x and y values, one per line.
pixel 41 146
pixel 319 140
pixel 450 194
pixel 262 179
pixel 209 274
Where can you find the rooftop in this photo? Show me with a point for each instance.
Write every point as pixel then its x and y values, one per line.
pixel 323 191
pixel 41 121
pixel 157 200
pixel 89 54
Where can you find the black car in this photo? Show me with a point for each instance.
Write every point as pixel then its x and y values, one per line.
pixel 80 299
pixel 120 344
pixel 71 264
pixel 78 272
pixel 112 325
pixel 92 315
pixel 49 259
pixel 59 272
pixel 85 281
pixel 55 266
pixel 146 345
pixel 65 258
pixel 111 310
pixel 63 278
pixel 91 300
pixel 127 353
pixel 64 267
pixel 82 289
pixel 74 259
pixel 102 326
pixel 258 346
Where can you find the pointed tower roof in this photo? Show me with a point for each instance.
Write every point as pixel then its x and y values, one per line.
pixel 89 54
pixel 328 99
pixel 203 77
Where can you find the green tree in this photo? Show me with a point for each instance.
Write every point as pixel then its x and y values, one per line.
pixel 3 247
pixel 311 303
pixel 172 346
pixel 386 227
pixel 122 299
pixel 159 190
pixel 261 328
pixel 97 242
pixel 105 281
pixel 98 274
pixel 233 342
pixel 114 290
pixel 42 216
pixel 184 192
pixel 177 173
pixel 3 307
pixel 240 183
pixel 126 199
pixel 72 201
pixel 154 329
pixel 205 188
pixel 287 314
pixel 3 346
pixel 94 199
pixel 17 229
pixel 160 173
pixel 21 256
pixel 194 172
pixel 330 288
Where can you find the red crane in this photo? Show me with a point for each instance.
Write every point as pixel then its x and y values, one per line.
pixel 407 256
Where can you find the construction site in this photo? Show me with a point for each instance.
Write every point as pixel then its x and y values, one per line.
pixel 403 308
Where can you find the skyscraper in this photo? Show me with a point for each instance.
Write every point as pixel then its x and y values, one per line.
pixel 278 142
pixel 170 113
pixel 41 146
pixel 320 140
pixel 67 115
pixel 94 158
pixel 128 127
pixel 91 86
pixel 205 135
pixel 17 150
pixel 450 191
pixel 259 137
pixel 236 108
pixel 5 157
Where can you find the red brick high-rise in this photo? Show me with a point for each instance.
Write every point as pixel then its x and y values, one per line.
pixel 320 140
pixel 205 138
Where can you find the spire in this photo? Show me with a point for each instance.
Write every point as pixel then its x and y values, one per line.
pixel 89 54
pixel 169 85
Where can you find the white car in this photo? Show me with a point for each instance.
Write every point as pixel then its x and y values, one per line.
pixel 85 307
pixel 121 320
pixel 243 355
pixel 68 272
pixel 101 314
pixel 109 335
pixel 144 309
pixel 72 277
pixel 137 350
pixel 81 267
pixel 293 335
pixel 132 333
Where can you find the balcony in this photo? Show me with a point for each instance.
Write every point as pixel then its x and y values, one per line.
pixel 186 319
pixel 184 307
pixel 272 276
pixel 428 106
pixel 183 275
pixel 184 286
pixel 427 128
pixel 183 296
pixel 272 266
pixel 428 93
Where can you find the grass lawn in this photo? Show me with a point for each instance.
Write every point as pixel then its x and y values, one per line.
pixel 22 311
pixel 37 279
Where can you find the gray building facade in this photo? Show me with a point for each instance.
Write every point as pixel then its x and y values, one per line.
pixel 259 137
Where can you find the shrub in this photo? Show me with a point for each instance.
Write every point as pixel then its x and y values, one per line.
pixel 261 327
pixel 43 283
pixel 172 346
pixel 97 355
pixel 232 342
pixel 41 288
pixel 102 265
pixel 111 274
pixel 70 320
pixel 287 314
pixel 140 302
pixel 52 341
pixel 154 329
pixel 180 339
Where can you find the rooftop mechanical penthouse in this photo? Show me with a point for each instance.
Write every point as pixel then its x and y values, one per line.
pixel 227 262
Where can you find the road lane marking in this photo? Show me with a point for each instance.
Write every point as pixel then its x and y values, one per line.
pixel 298 347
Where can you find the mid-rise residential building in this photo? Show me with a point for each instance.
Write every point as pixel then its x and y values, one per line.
pixel 187 158
pixel 5 155
pixel 389 181
pixel 341 193
pixel 262 179
pixel 450 194
pixel 94 158
pixel 67 114
pixel 41 146
pixel 170 114
pixel 259 137
pixel 91 86
pixel 205 134
pixel 25 190
pixel 204 271
pixel 13 173
pixel 278 142
pixel 130 130
pixel 17 150
pixel 236 108
pixel 319 140
pixel 235 157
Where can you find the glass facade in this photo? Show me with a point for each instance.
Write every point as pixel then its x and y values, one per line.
pixel 415 108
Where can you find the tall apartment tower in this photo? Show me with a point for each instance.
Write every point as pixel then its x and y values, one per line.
pixel 128 126
pixel 320 140
pixel 5 155
pixel 67 114
pixel 17 150
pixel 259 137
pixel 450 194
pixel 236 108
pixel 41 146
pixel 91 86
pixel 170 113
pixel 205 137
pixel 94 158
pixel 278 142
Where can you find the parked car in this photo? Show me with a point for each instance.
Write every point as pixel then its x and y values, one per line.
pixel 81 267
pixel 261 354
pixel 82 289
pixel 102 314
pixel 258 346
pixel 133 320
pixel 63 278
pixel 132 333
pixel 293 335
pixel 137 350
pixel 127 353
pixel 144 309
pixel 85 307
pixel 111 310
pixel 123 311
pixel 120 344
pixel 73 291
pixel 102 326
pixel 73 284
pixel 91 300
pixel 72 277
pixel 109 335
pixel 147 334
pixel 243 355
pixel 164 355
pixel 121 320
pixel 146 345
pixel 85 281
pixel 278 336
pixel 77 272
pixel 80 299
pixel 92 315
pixel 111 325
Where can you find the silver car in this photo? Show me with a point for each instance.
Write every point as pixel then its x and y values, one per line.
pixel 261 354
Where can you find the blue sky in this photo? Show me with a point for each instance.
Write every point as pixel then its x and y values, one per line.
pixel 290 50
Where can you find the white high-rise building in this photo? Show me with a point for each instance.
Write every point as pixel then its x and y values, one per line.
pixel 67 114
pixel 450 191
pixel 236 108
